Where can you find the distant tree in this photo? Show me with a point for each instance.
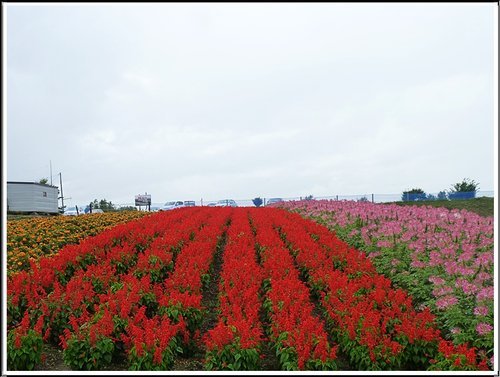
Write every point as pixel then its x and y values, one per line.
pixel 442 195
pixel 413 194
pixel 464 190
pixel 431 197
pixel 309 197
pixel 363 199
pixel 43 181
pixel 257 202
pixel 104 205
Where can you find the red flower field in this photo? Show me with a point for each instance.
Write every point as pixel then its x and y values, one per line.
pixel 237 288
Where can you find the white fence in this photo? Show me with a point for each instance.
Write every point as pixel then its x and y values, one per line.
pixel 375 198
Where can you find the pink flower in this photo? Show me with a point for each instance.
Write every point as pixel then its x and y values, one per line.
pixel 446 301
pixel 418 264
pixel 442 291
pixel 436 280
pixel 483 328
pixel 481 310
pixel 467 287
pixel 485 293
pixel 384 243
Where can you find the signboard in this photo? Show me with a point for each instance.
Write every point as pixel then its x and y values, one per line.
pixel 143 200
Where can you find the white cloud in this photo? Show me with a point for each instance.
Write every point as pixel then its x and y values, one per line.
pixel 241 100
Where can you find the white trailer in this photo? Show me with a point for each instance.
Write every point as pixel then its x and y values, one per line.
pixel 32 197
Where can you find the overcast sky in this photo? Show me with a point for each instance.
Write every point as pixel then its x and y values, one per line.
pixel 215 101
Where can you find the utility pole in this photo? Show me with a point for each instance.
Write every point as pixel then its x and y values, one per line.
pixel 50 172
pixel 62 195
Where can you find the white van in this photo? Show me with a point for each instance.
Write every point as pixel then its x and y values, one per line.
pixel 172 205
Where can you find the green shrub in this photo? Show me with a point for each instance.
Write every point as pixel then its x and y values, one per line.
pixel 464 190
pixel 24 352
pixel 81 355
pixel 413 194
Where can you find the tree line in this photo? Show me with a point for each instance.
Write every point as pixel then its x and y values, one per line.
pixel 466 189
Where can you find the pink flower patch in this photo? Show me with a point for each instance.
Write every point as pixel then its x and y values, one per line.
pixel 483 328
pixel 446 301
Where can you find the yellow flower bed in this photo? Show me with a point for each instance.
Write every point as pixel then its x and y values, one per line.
pixel 30 239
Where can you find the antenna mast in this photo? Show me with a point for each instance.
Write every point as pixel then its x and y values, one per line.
pixel 62 195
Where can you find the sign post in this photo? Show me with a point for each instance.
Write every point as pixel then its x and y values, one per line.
pixel 143 200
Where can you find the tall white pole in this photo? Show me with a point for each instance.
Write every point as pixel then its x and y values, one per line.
pixel 62 195
pixel 50 172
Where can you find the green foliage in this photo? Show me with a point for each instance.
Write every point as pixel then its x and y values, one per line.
pixel 257 202
pixel 205 281
pixel 467 185
pixel 104 205
pixel 149 300
pixel 316 364
pixel 287 357
pixel 28 352
pixel 359 355
pixel 416 354
pixel 145 360
pixel 464 190
pixel 81 355
pixel 309 197
pixel 232 357
pixel 192 316
pixel 454 363
pixel 43 181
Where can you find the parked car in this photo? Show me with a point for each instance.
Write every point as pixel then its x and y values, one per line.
pixel 273 201
pixel 189 203
pixel 154 209
pixel 226 203
pixel 97 210
pixel 71 211
pixel 172 205
pixel 212 204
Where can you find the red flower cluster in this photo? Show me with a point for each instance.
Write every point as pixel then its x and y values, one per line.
pixel 461 356
pixel 183 290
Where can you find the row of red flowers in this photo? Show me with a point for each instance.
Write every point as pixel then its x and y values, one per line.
pixel 299 336
pixel 234 343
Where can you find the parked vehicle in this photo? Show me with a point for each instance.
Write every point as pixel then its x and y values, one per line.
pixel 154 209
pixel 172 205
pixel 212 204
pixel 97 210
pixel 273 201
pixel 71 211
pixel 226 203
pixel 189 203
